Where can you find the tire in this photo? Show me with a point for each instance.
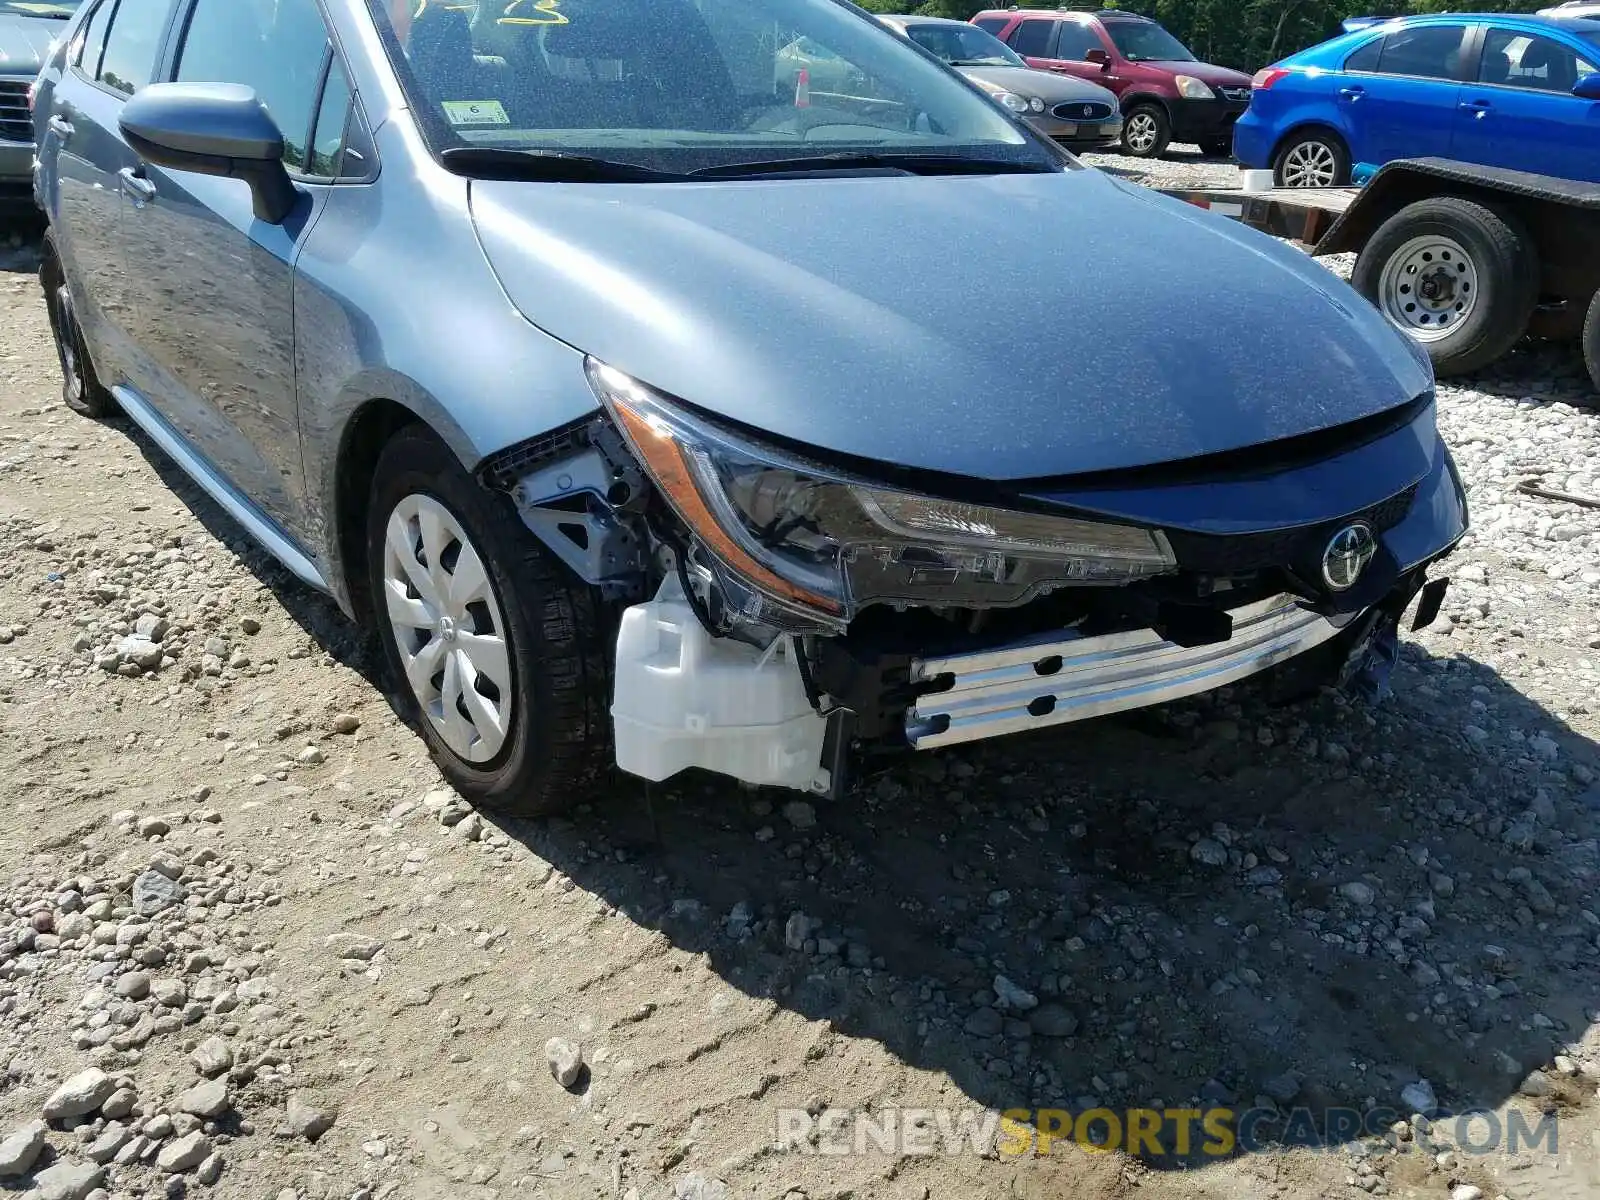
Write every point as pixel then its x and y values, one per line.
pixel 551 747
pixel 1312 158
pixel 1146 131
pixel 1591 346
pixel 81 389
pixel 1217 148
pixel 1482 258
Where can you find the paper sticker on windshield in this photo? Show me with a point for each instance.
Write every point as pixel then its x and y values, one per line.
pixel 476 112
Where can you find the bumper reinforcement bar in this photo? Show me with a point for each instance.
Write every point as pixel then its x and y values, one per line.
pixel 1056 679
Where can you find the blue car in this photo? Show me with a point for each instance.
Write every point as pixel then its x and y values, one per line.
pixel 650 405
pixel 1496 90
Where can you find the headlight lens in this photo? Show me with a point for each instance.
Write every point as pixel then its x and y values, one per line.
pixel 1191 88
pixel 1016 103
pixel 1036 105
pixel 794 539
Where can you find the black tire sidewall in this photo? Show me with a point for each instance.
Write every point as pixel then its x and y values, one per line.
pixel 93 399
pixel 1505 299
pixel 1341 155
pixel 415 463
pixel 1163 130
pixel 1591 346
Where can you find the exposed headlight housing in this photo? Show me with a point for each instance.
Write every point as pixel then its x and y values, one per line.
pixel 801 545
pixel 1191 88
pixel 1016 103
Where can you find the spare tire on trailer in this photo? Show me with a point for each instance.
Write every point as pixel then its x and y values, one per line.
pixel 1459 276
pixel 1591 346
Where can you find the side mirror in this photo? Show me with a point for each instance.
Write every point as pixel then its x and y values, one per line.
pixel 213 129
pixel 1099 57
pixel 1588 88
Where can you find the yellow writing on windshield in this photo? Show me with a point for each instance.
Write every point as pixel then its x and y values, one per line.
pixel 533 12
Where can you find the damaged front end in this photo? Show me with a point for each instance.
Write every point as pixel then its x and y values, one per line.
pixel 780 614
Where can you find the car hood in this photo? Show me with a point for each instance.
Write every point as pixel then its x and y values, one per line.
pixel 999 327
pixel 25 43
pixel 1052 89
pixel 1205 72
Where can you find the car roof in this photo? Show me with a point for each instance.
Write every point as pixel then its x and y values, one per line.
pixel 903 19
pixel 1550 21
pixel 1105 14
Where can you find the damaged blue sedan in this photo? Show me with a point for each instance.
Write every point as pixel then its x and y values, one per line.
pixel 659 404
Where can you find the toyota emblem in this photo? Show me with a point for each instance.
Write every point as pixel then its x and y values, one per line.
pixel 1347 556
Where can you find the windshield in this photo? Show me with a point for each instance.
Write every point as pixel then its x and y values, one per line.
pixel 1141 41
pixel 964 45
pixel 684 85
pixel 38 8
pixel 1593 38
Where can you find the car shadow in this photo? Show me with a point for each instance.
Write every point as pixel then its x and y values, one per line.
pixel 21 234
pixel 1219 903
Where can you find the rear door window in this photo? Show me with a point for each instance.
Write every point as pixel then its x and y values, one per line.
pixel 92 42
pixel 1366 58
pixel 1076 41
pixel 1432 52
pixel 133 44
pixel 1035 38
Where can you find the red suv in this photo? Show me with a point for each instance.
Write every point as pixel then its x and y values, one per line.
pixel 1167 94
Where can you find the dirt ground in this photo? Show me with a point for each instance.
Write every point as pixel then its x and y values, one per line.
pixel 234 863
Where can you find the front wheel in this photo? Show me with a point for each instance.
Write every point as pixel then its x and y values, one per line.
pixel 1146 131
pixel 1460 277
pixel 498 656
pixel 1591 345
pixel 1313 159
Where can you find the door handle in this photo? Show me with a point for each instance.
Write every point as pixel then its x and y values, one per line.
pixel 1478 108
pixel 137 186
pixel 1352 93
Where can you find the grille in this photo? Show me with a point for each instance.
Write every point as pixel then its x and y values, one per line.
pixel 1241 94
pixel 1301 546
pixel 16 122
pixel 1082 110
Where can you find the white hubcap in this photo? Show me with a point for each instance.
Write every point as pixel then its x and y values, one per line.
pixel 1310 164
pixel 1429 287
pixel 448 627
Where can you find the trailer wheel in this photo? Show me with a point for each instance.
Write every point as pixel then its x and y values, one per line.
pixel 1460 277
pixel 1591 345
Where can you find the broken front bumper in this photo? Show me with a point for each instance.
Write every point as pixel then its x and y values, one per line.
pixel 1063 677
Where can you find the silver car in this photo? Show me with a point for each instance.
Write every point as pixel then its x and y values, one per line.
pixel 656 411
pixel 1074 112
pixel 28 28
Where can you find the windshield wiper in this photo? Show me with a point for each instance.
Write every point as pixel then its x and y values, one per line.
pixel 546 166
pixel 911 164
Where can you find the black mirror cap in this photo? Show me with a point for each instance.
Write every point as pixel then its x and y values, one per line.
pixel 212 129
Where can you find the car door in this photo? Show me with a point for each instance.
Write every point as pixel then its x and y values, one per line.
pixel 1034 38
pixel 1520 113
pixel 1404 104
pixel 214 315
pixel 1075 41
pixel 115 53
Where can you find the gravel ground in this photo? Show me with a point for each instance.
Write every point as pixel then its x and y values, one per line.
pixel 1181 166
pixel 249 948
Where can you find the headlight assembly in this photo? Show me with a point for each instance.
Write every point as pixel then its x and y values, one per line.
pixel 818 544
pixel 1016 103
pixel 1191 88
